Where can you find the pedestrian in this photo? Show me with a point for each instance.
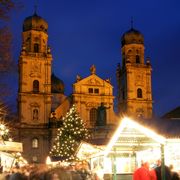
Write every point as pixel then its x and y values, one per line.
pixel 17 176
pixel 143 172
pixel 167 171
pixel 153 174
pixel 174 174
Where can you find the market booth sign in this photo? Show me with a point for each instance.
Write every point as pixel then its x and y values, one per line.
pixel 11 146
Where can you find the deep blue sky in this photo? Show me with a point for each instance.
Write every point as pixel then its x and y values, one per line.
pixel 86 32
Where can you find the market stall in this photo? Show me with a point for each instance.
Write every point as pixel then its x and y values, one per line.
pixel 10 154
pixel 131 144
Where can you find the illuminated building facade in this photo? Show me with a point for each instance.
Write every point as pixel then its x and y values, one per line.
pixel 88 95
pixel 41 99
pixel 134 77
pixel 34 95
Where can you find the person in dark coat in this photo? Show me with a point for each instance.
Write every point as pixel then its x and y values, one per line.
pixel 175 175
pixel 17 176
pixel 166 170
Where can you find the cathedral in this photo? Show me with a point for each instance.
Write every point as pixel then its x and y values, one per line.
pixel 42 102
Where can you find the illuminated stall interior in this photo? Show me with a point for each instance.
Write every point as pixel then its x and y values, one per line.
pixel 131 144
pixel 134 142
pixel 10 154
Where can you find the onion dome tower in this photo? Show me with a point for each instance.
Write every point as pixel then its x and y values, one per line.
pixel 57 85
pixel 34 94
pixel 134 77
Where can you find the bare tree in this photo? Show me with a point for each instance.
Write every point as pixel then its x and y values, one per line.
pixel 7 63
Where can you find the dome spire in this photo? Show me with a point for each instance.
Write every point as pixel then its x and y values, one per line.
pixel 132 22
pixel 35 7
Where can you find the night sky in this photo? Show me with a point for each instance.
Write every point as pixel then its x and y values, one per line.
pixel 86 32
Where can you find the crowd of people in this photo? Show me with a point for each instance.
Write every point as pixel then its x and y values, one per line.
pixel 145 173
pixel 82 171
pixel 43 172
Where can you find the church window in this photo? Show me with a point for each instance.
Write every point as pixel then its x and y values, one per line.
pixel 93 116
pixel 34 158
pixel 139 93
pixel 139 112
pixel 90 90
pixel 35 86
pixel 35 143
pixel 137 59
pixel 36 47
pixel 129 51
pixel 96 91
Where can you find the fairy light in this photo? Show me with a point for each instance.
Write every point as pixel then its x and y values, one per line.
pixel 69 135
pixel 4 132
pixel 127 122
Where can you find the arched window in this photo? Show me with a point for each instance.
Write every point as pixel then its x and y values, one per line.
pixel 129 52
pixel 34 159
pixel 139 93
pixel 35 86
pixel 137 59
pixel 93 116
pixel 139 112
pixel 35 143
pixel 36 47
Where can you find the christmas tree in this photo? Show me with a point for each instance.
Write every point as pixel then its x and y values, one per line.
pixel 69 136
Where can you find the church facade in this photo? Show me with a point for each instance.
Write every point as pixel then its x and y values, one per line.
pixel 134 77
pixel 41 99
pixel 89 94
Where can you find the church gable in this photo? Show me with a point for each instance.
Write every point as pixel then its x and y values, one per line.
pixel 93 80
pixel 92 85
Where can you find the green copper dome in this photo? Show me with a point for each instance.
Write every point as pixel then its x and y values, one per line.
pixel 132 37
pixel 35 22
pixel 57 85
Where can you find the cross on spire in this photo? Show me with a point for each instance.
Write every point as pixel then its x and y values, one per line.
pixel 132 23
pixel 35 7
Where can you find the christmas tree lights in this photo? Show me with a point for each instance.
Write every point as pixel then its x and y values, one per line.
pixel 69 136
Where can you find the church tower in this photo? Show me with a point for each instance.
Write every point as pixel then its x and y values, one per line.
pixel 134 77
pixel 34 94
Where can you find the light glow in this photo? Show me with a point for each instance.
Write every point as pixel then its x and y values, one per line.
pixel 48 161
pixel 127 122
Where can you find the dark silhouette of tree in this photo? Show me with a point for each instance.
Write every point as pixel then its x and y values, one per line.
pixel 7 64
pixel 8 67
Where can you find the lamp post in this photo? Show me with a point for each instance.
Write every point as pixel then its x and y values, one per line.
pixel 114 164
pixel 162 163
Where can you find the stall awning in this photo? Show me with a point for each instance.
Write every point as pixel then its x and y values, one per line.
pixel 87 151
pixel 131 136
pixel 11 146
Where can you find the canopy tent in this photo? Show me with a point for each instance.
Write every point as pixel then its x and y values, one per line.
pixel 10 154
pixel 88 151
pixel 11 146
pixel 131 144
pixel 134 142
